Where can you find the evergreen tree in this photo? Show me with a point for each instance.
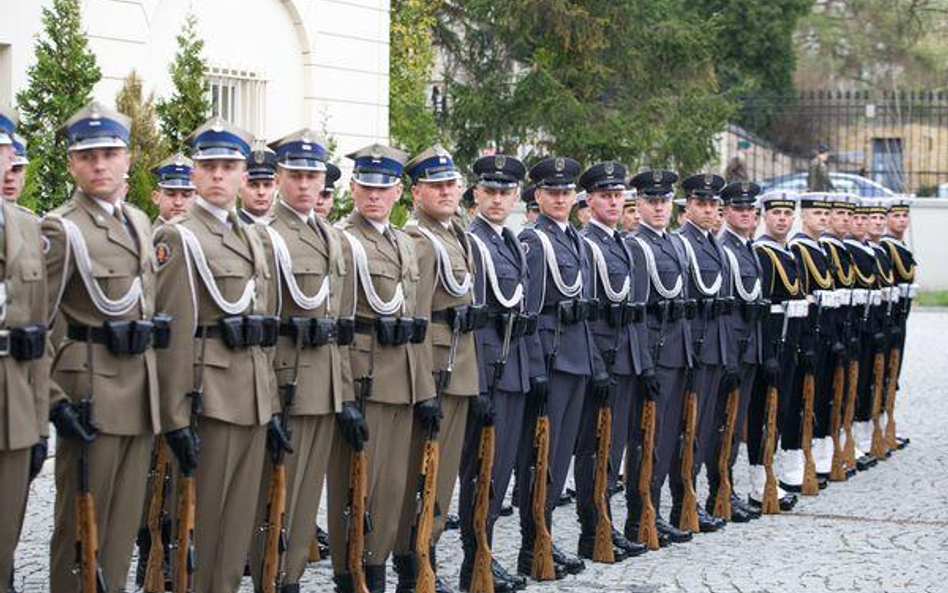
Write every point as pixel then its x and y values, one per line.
pixel 148 147
pixel 188 106
pixel 60 83
pixel 411 119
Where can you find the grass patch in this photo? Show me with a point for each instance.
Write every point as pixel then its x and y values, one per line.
pixel 933 298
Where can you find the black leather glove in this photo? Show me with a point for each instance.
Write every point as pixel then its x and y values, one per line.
pixel 730 379
pixel 808 360
pixel 771 369
pixel 65 417
pixel 278 437
pixel 838 349
pixel 878 341
pixel 38 454
pixel 482 410
pixel 185 444
pixel 539 386
pixel 653 389
pixel 352 426
pixel 428 414
pixel 599 387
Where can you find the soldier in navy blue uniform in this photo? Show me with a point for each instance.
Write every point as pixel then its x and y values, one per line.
pixel 619 335
pixel 846 319
pixel 500 283
pixel 867 300
pixel 710 331
pixel 746 282
pixel 780 330
pixel 903 261
pixel 816 344
pixel 659 262
pixel 560 291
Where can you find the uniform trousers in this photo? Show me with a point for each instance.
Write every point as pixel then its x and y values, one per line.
pixel 15 481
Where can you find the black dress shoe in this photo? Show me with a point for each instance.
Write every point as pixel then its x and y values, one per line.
pixel 902 442
pixel 525 565
pixel 708 523
pixel 572 564
pixel 441 586
pixel 322 542
pixel 866 462
pixel 631 547
pixel 674 535
pixel 850 473
pixel 452 522
pixel 788 501
pixel 795 488
pixel 500 574
pixel 506 510
pixel 502 581
pixel 822 481
pixel 566 498
pixel 738 505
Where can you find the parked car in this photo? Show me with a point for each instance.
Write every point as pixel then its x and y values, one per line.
pixel 843 182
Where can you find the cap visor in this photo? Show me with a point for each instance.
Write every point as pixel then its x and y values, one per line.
pixel 303 165
pixel 375 179
pixel 91 143
pixel 441 176
pixel 218 153
pixel 176 184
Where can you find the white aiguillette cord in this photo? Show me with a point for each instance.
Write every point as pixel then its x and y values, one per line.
pixel 76 243
pixel 284 261
pixel 746 296
pixel 361 260
pixel 445 273
pixel 516 298
pixel 602 268
pixel 193 250
pixel 699 282
pixel 652 269
pixel 569 291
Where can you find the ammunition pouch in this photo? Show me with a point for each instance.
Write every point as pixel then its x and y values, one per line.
pixel 124 337
pixel 23 343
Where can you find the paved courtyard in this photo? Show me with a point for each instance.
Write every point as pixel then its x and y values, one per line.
pixel 885 531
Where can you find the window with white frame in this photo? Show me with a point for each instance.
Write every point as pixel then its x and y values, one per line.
pixel 239 96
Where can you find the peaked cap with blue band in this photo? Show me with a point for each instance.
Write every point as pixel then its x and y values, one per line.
pixel 96 126
pixel 174 172
pixel 19 152
pixel 378 165
pixel 303 150
pixel 433 164
pixel 219 139
pixel 8 123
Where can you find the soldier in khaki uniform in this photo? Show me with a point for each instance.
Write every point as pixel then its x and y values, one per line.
pixel 102 284
pixel 213 279
pixel 174 192
pixel 446 298
pixel 315 292
pixel 23 367
pixel 388 361
pixel 15 178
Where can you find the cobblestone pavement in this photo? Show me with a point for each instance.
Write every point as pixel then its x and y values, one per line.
pixel 885 531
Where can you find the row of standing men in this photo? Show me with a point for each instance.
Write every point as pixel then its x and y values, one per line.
pixel 307 343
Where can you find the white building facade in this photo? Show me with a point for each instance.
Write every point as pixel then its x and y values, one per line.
pixel 274 66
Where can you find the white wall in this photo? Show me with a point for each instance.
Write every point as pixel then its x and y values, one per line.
pixel 326 61
pixel 928 239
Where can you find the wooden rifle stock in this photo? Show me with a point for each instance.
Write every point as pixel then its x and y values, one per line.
pixel 314 555
pixel 355 529
pixel 427 489
pixel 811 486
pixel 722 500
pixel 184 549
pixel 689 503
pixel 770 505
pixel 837 466
pixel 275 543
pixel 542 569
pixel 895 357
pixel 603 550
pixel 648 534
pixel 877 448
pixel 482 578
pixel 154 569
pixel 849 448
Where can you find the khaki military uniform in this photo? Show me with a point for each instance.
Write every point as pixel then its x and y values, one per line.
pixel 433 302
pixel 324 379
pixel 124 387
pixel 401 377
pixel 24 395
pixel 239 395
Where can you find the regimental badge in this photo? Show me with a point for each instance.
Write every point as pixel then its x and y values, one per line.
pixel 559 164
pixel 708 179
pixel 745 186
pixel 500 161
pixel 179 162
pixel 96 111
pixel 259 157
pixel 217 126
pixel 610 168
pixel 162 252
pixel 657 175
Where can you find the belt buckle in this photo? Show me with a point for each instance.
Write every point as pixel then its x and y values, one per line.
pixel 4 342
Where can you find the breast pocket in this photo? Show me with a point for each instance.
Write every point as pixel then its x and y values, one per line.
pixel 230 275
pixel 31 270
pixel 112 267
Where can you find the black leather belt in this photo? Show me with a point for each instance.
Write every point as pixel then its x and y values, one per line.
pixel 126 337
pixel 23 343
pixel 672 309
pixel 394 331
pixel 469 317
pixel 572 311
pixel 243 331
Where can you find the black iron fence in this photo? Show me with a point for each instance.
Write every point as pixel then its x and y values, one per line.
pixel 877 142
